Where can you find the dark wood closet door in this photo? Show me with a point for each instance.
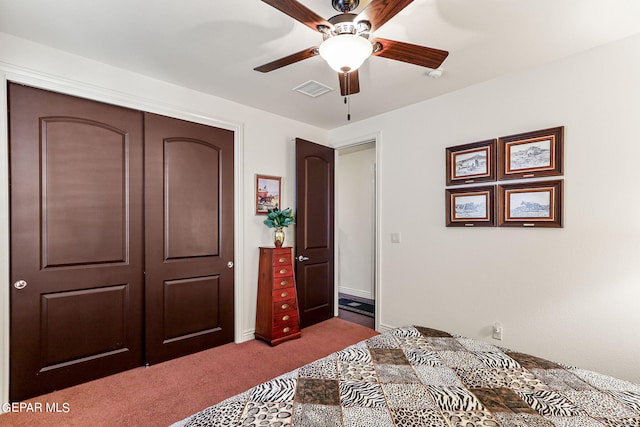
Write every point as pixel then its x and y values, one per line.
pixel 76 240
pixel 189 237
pixel 315 166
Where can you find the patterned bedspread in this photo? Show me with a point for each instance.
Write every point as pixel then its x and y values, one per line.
pixel 415 376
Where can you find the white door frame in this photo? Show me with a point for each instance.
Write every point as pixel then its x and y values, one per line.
pixel 375 138
pixel 36 79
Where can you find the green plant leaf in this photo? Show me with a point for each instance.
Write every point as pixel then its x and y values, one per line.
pixel 277 218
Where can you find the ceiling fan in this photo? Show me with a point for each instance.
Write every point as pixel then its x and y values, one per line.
pixel 346 42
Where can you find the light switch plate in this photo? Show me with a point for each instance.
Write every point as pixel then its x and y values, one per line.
pixel 396 237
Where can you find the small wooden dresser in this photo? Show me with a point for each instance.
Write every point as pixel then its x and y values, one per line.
pixel 277 318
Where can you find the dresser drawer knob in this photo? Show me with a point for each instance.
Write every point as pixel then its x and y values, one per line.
pixel 283 271
pixel 284 294
pixel 284 306
pixel 287 329
pixel 282 260
pixel 284 283
pixel 285 318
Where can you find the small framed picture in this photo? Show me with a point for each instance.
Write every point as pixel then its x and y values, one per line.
pixel 471 163
pixel 535 204
pixel 531 155
pixel 268 193
pixel 471 207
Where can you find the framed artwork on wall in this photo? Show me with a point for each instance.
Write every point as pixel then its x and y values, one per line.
pixel 471 207
pixel 471 163
pixel 531 204
pixel 531 155
pixel 268 193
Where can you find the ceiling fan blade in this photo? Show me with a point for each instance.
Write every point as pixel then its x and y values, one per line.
pixel 380 11
pixel 411 53
pixel 300 13
pixel 349 83
pixel 288 60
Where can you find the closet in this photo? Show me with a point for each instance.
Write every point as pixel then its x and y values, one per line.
pixel 121 239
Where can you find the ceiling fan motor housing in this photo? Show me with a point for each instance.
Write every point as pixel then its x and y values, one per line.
pixel 345 6
pixel 344 24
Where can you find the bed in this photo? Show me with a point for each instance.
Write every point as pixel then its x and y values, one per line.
pixel 416 376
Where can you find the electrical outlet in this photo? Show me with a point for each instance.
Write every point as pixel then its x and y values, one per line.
pixel 497 331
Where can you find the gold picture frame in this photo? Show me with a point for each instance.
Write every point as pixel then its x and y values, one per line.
pixel 268 193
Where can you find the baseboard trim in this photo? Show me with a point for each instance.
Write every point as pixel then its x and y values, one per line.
pixel 355 292
pixel 246 336
pixel 382 328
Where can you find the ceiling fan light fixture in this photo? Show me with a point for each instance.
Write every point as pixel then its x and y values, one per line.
pixel 345 52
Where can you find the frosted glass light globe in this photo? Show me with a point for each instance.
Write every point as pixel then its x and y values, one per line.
pixel 345 52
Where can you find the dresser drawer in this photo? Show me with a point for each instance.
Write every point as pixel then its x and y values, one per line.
pixel 281 259
pixel 285 329
pixel 284 306
pixel 281 271
pixel 283 294
pixel 283 283
pixel 285 318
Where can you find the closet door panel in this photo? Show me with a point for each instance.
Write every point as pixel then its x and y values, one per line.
pixel 189 237
pixel 76 240
pixel 191 174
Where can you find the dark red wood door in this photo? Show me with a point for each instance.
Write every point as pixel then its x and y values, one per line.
pixel 76 240
pixel 315 165
pixel 189 237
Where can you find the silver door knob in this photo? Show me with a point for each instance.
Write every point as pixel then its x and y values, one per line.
pixel 230 264
pixel 302 258
pixel 20 284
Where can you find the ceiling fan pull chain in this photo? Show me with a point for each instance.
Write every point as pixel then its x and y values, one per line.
pixel 347 85
pixel 348 97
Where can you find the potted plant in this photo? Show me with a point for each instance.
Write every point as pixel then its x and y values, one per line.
pixel 279 219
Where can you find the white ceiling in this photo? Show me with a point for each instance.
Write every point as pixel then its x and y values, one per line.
pixel 213 45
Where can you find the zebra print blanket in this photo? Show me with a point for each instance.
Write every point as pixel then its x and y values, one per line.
pixel 415 376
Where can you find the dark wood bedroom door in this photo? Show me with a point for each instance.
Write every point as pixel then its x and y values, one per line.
pixel 76 240
pixel 315 166
pixel 189 237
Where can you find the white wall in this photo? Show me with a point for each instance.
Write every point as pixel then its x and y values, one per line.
pixel 355 216
pixel 571 294
pixel 263 140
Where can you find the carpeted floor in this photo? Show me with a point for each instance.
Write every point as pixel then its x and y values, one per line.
pixel 170 391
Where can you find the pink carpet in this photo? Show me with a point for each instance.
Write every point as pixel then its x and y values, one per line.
pixel 170 391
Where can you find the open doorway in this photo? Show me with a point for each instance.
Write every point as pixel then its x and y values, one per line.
pixel 356 225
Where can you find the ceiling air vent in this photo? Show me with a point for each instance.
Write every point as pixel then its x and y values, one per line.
pixel 312 89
